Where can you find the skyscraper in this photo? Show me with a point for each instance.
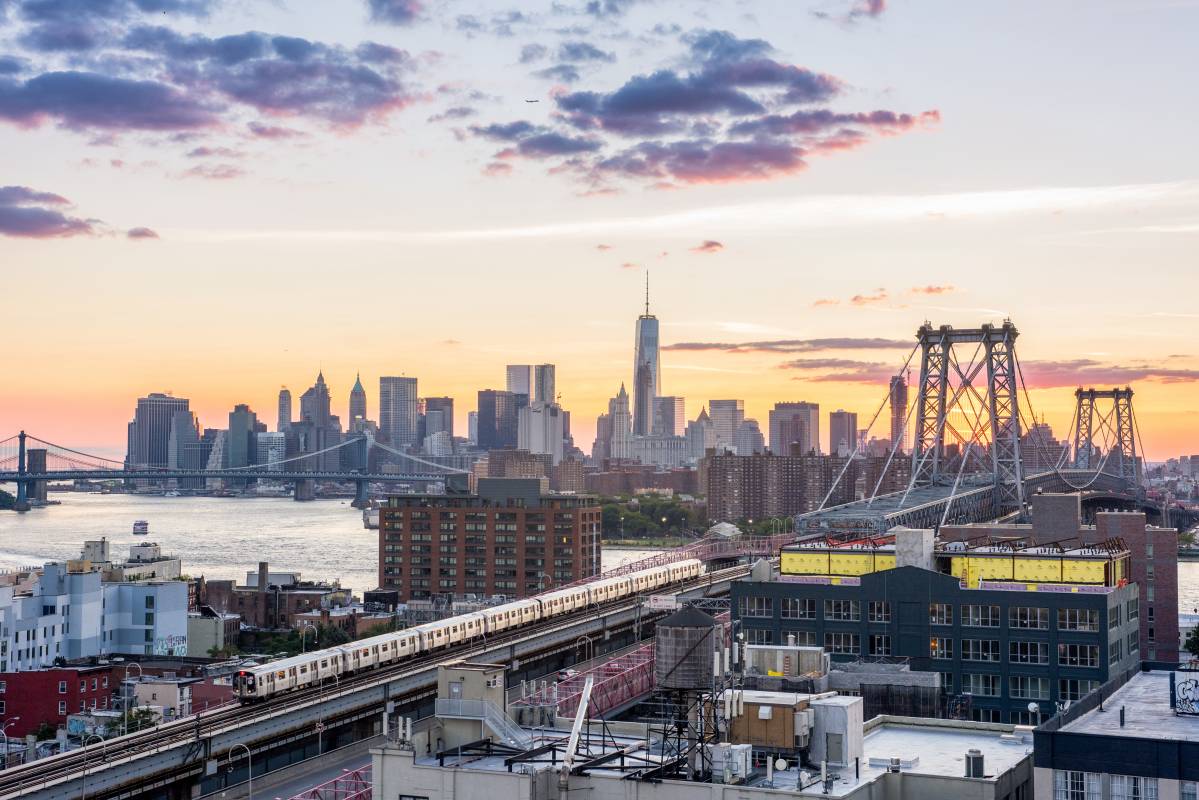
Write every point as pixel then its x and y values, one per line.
pixel 748 439
pixel 241 442
pixel 519 379
pixel 647 369
pixel 398 410
pixel 183 449
pixel 727 416
pixel 670 418
pixel 284 410
pixel 357 404
pixel 544 384
pixel 150 430
pixel 497 419
pixel 540 429
pixel 317 428
pixel 842 432
pixel 619 416
pixel 794 423
pixel 446 406
pixel 899 412
pixel 701 436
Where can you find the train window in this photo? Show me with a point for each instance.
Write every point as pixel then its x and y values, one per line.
pixel 324 662
pixel 280 674
pixel 303 669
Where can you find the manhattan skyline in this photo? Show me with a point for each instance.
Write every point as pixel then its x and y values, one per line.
pixel 405 211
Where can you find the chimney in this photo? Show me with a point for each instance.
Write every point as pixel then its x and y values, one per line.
pixel 263 576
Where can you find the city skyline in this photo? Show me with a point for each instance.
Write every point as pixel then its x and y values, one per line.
pixel 882 176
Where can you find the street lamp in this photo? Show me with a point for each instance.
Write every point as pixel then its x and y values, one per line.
pixel 125 695
pixel 249 768
pixel 320 719
pixel 103 757
pixel 590 647
pixel 307 626
pixel 4 733
pixel 539 577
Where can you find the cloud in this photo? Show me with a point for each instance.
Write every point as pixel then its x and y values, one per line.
pixel 276 132
pixel 630 265
pixel 826 301
pixel 878 296
pixel 842 370
pixel 533 52
pixel 497 169
pixel 140 233
pixel 501 24
pixel 214 152
pixel 86 100
pixel 603 247
pixel 933 289
pixel 1052 374
pixel 456 112
pixel 858 10
pixel 395 12
pixel 607 8
pixel 28 213
pixel 563 73
pixel 11 65
pixel 583 51
pixel 708 246
pixel 215 172
pixel 795 345
pixel 729 114
pixel 76 26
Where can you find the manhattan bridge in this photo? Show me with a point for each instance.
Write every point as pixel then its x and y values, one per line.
pixel 972 420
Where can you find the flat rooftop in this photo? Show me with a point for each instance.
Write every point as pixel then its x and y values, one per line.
pixel 1147 713
pixel 936 749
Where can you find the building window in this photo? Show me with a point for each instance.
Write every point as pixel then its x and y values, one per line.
pixel 1028 652
pixel 880 645
pixel 62 707
pixel 1026 717
pixel 1078 655
pixel 62 687
pixel 980 684
pixel 1134 608
pixel 798 608
pixel 149 601
pixel 3 687
pixel 985 715
pixel 1134 643
pixel 843 643
pixel 941 647
pixel 1026 687
pixel 803 638
pixel 1077 619
pixel 947 682
pixel 1071 785
pixel 980 616
pixel 755 607
pixel 1188 790
pixel 1113 618
pixel 980 650
pixel 842 610
pixel 1028 618
pixel 1115 652
pixel 1074 688
pixel 758 636
pixel 879 611
pixel 1133 787
pixel 940 614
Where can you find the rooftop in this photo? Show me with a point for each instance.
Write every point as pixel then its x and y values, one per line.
pixel 1145 699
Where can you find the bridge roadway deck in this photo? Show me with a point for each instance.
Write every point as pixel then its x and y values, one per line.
pixel 183 750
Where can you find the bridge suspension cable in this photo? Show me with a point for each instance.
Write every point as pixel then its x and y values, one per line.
pixel 409 456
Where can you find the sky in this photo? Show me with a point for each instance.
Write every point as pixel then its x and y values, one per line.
pixel 218 198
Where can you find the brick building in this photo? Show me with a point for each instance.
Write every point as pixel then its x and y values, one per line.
pixel 509 539
pixel 621 478
pixel 269 600
pixel 49 695
pixel 1058 518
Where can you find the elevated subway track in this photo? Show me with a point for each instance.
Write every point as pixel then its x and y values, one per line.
pixel 168 760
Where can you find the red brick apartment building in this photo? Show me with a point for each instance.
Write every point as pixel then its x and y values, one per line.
pixel 508 539
pixel 49 695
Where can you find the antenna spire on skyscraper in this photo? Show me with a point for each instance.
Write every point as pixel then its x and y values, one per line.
pixel 647 293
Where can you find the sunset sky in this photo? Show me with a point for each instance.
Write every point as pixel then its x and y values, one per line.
pixel 219 198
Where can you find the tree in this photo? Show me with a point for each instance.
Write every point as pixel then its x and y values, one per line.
pixel 135 719
pixel 1192 642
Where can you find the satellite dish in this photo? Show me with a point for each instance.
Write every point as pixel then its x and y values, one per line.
pixel 1034 708
pixel 780 764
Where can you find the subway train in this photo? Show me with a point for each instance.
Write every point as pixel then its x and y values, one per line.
pixel 258 683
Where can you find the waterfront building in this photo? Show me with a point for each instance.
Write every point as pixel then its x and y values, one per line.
pixel 898 400
pixel 357 405
pixel 398 411
pixel 184 450
pixel 242 437
pixel 1058 518
pixel 842 432
pixel 497 419
pixel 1004 626
pixel 270 449
pixel 150 431
pixel 727 416
pixel 670 416
pixel 748 439
pixel 284 418
pixel 647 370
pixel 794 425
pixel 510 538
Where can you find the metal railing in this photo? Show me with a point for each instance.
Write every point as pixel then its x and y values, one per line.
pixel 489 714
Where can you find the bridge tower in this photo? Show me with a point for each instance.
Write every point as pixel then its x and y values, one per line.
pixel 952 396
pixel 1118 420
pixel 22 502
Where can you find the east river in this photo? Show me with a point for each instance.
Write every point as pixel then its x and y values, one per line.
pixel 224 538
pixel 220 538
